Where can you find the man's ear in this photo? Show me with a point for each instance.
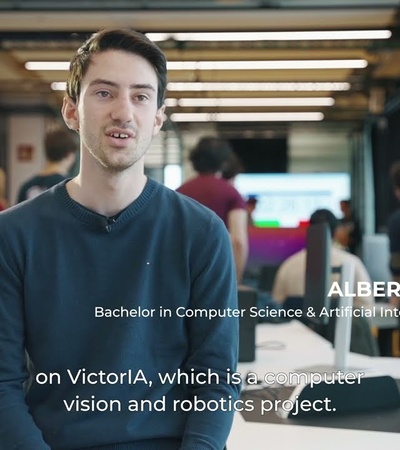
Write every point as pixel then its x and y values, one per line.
pixel 69 112
pixel 159 120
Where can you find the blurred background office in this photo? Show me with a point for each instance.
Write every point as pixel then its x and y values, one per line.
pixel 295 86
pixel 305 91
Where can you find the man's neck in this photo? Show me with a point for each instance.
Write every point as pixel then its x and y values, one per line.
pixel 107 194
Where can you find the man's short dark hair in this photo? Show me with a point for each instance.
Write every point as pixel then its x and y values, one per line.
pixel 395 174
pixel 59 143
pixel 325 216
pixel 210 155
pixel 117 39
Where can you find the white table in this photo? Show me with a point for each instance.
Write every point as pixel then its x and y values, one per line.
pixel 385 320
pixel 290 346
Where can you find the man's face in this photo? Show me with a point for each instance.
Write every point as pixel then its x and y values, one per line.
pixel 117 111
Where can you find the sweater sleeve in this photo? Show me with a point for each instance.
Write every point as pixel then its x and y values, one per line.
pixel 18 430
pixel 213 342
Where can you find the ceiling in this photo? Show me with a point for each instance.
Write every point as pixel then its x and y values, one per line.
pixel 51 31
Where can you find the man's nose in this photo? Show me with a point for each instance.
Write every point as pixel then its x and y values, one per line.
pixel 123 109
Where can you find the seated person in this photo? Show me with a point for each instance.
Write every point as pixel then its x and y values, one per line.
pixel 290 278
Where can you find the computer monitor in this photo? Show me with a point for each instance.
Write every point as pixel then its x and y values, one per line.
pixel 316 300
pixel 376 255
pixel 287 200
pixel 271 246
pixel 318 273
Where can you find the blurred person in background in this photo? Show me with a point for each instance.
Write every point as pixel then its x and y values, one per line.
pixel 232 167
pixel 349 232
pixel 251 206
pixel 3 199
pixel 210 157
pixel 61 146
pixel 290 278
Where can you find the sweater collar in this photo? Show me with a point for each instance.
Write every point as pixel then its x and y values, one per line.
pixel 97 220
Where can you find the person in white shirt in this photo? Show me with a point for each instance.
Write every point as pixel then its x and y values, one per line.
pixel 290 278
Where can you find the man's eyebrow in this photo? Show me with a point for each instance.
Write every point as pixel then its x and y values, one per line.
pixel 142 86
pixel 113 84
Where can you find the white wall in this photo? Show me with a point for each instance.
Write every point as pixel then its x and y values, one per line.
pixel 311 147
pixel 24 130
pixel 319 148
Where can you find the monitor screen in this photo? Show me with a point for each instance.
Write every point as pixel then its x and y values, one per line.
pixel 287 200
pixel 318 272
pixel 271 246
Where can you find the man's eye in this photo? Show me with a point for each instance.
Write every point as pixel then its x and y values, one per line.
pixel 142 98
pixel 103 94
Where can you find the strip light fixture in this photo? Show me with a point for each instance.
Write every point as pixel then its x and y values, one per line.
pixel 269 65
pixel 47 65
pixel 198 86
pixel 230 65
pixel 58 86
pixel 251 102
pixel 273 36
pixel 246 87
pixel 247 117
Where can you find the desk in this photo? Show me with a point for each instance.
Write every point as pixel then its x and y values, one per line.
pixel 382 317
pixel 386 326
pixel 303 347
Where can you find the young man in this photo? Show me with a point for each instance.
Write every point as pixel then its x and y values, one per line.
pixel 61 146
pixel 108 289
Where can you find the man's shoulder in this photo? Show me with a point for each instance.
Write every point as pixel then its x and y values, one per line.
pixel 27 211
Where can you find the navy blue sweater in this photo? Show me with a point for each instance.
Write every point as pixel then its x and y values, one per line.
pixel 59 262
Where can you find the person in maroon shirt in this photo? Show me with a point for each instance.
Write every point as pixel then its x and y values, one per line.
pixel 209 188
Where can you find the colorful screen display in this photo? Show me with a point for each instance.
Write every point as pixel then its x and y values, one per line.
pixel 271 246
pixel 288 199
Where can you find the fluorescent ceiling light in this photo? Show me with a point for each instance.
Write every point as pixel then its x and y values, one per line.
pixel 59 86
pixel 273 36
pixel 230 65
pixel 247 87
pixel 255 86
pixel 47 65
pixel 268 65
pixel 247 117
pixel 252 102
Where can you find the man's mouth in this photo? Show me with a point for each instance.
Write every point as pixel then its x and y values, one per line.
pixel 119 135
